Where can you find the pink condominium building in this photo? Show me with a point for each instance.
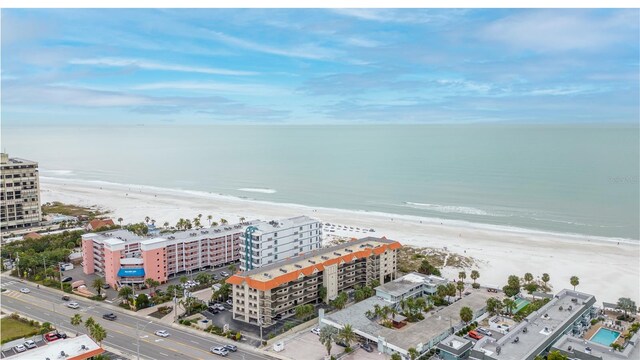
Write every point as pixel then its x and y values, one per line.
pixel 123 257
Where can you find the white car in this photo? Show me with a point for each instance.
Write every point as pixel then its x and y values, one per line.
pixel 230 302
pixel 19 348
pixel 30 344
pixel 219 307
pixel 25 290
pixel 315 331
pixel 162 333
pixel 73 305
pixel 220 350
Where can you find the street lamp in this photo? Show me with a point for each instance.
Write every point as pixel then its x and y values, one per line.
pixel 138 337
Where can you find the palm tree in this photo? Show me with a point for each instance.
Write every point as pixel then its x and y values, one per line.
pixel 152 283
pixel 120 221
pixel 183 280
pixel 460 287
pixel 76 320
pixel 223 221
pixel 146 219
pixel 545 279
pixel 166 224
pixel 347 335
pixel 466 314
pixel 475 275
pixel 509 304
pixel 528 277
pixel 209 217
pixel 214 223
pixel 232 268
pixel 199 216
pixel 413 353
pixel 98 333
pixel 98 283
pixel 327 335
pixel 242 219
pixel 462 275
pixel 575 281
pixel 125 292
pixel 89 323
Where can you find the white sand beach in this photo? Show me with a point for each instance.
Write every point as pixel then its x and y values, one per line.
pixel 607 268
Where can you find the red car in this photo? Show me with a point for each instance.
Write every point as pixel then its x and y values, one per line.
pixel 474 335
pixel 53 336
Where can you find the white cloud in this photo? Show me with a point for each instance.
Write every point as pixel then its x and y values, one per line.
pixel 305 51
pixel 151 65
pixel 415 16
pixel 262 89
pixel 559 30
pixel 362 42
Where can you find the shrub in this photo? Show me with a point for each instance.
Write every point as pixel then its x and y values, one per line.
pixel 475 286
pixel 594 321
pixel 238 336
pixel 348 349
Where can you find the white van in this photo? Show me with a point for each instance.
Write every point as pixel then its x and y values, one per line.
pixel 66 266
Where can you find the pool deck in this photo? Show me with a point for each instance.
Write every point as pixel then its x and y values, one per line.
pixel 594 329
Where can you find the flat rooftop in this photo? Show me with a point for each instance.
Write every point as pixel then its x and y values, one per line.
pixel 9 161
pixel 540 326
pixel 409 281
pixel 80 347
pixel 598 350
pixel 274 225
pixel 435 322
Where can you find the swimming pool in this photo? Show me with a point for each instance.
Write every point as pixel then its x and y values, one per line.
pixel 605 336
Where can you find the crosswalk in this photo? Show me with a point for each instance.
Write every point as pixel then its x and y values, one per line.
pixel 13 294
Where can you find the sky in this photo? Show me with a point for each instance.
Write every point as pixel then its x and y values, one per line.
pixel 319 66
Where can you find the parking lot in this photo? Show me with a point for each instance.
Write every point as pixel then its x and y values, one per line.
pixel 8 350
pixel 306 345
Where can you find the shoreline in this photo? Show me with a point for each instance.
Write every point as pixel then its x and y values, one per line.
pixel 499 250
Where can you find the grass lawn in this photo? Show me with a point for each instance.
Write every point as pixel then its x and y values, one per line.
pixel 14 329
pixel 71 210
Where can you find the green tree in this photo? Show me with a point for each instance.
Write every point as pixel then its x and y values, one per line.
pixel 76 320
pixel 347 335
pixel 513 286
pixel 120 221
pixel 223 293
pixel 475 275
pixel 89 323
pixel 374 283
pixel 203 278
pixel 98 333
pixel 627 305
pixel 460 287
pixel 545 280
pixel 327 336
pixel 125 292
pixel 166 224
pixel 303 312
pixel 45 327
pixel 209 217
pixel 528 277
pixel 556 355
pixel 152 283
pixel 451 289
pixel 427 268
pixel 509 305
pixel 413 353
pixel 142 301
pixel 396 356
pixel 340 301
pixel 232 268
pixel 462 275
pixel 322 293
pixel 183 280
pixel 98 283
pixel 494 306
pixel 466 314
pixel 575 281
pixel 223 221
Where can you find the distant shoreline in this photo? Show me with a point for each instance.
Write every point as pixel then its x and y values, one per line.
pixel 149 189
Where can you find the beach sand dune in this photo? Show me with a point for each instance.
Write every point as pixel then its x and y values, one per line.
pixel 607 268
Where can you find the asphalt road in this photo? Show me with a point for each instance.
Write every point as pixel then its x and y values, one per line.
pixel 45 304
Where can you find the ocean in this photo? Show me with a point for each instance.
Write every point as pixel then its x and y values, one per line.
pixel 580 179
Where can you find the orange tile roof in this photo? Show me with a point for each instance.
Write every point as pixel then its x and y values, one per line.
pixel 238 279
pixel 88 355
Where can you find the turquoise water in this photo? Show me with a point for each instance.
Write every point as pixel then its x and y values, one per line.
pixel 520 304
pixel 564 178
pixel 605 336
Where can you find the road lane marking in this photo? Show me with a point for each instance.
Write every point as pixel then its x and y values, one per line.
pixel 195 342
pixel 161 353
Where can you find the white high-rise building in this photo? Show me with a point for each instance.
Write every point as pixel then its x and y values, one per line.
pixel 266 243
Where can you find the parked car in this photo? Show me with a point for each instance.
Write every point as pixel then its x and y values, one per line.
pixel 474 335
pixel 484 331
pixel 341 343
pixel 67 279
pixel 231 348
pixel 213 310
pixel 110 316
pixel 66 297
pixel 315 331
pixel 220 350
pixel 220 307
pixel 230 302
pixel 367 347
pixel 25 290
pixel 106 286
pixel 162 333
pixel 19 348
pixel 53 336
pixel 30 344
pixel 73 305
pixel 224 274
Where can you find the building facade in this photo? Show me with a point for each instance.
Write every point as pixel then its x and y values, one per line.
pixel 274 291
pixel 20 194
pixel 125 258
pixel 266 243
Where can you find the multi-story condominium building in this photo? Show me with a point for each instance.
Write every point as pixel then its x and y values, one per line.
pixel 20 195
pixel 126 258
pixel 266 243
pixel 273 291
